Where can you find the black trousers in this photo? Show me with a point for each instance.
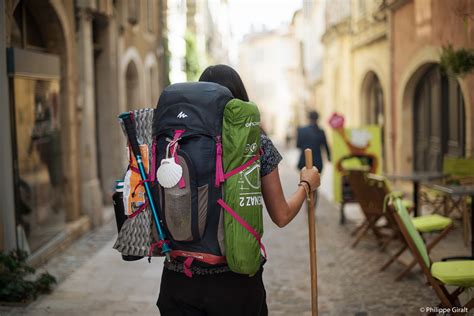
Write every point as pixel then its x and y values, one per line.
pixel 226 294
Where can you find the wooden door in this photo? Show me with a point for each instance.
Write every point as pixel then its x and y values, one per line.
pixel 439 120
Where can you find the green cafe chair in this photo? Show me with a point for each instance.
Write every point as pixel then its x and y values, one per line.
pixel 459 273
pixel 458 171
pixel 434 223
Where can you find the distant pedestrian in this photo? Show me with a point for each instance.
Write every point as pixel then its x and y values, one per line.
pixel 313 137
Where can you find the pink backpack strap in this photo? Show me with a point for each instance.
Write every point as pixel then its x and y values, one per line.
pixel 244 224
pixel 219 168
pixel 241 167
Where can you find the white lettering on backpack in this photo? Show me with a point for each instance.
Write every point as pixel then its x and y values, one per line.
pixel 250 200
pixel 182 115
pixel 251 124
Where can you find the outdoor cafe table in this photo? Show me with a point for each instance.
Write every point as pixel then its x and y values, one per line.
pixel 458 191
pixel 416 177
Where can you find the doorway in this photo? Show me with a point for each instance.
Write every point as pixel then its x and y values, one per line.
pixel 439 120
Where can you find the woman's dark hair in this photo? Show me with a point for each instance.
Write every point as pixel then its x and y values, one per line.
pixel 226 76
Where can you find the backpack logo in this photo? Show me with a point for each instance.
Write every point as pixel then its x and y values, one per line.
pixel 182 115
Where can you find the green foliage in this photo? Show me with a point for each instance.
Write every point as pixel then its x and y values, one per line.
pixel 457 62
pixel 15 286
pixel 193 68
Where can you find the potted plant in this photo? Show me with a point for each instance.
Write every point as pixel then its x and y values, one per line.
pixel 18 283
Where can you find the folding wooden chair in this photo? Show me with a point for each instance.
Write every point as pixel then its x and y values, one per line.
pixel 371 206
pixel 434 223
pixel 458 273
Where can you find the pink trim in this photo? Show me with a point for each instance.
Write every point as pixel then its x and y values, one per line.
pixel 199 256
pixel 139 210
pixel 177 134
pixel 244 224
pixel 219 169
pixel 187 266
pixel 241 168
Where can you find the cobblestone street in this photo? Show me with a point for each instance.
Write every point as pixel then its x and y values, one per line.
pixel 93 279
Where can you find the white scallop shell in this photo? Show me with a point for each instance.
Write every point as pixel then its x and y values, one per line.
pixel 169 173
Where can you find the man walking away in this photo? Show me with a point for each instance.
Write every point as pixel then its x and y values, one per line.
pixel 313 137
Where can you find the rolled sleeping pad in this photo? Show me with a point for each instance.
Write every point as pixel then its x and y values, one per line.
pixel 120 216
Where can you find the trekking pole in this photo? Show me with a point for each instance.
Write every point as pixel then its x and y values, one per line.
pixel 308 154
pixel 132 138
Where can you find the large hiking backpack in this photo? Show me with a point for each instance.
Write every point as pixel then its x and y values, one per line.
pixel 210 205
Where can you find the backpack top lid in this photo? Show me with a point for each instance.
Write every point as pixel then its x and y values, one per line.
pixel 192 105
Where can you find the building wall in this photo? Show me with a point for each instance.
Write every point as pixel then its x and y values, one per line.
pixel 96 41
pixel 274 83
pixel 337 75
pixel 356 47
pixel 57 26
pixel 419 30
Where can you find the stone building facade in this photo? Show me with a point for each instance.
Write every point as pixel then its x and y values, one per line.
pixel 70 68
pixel 381 66
pixel 356 64
pixel 431 112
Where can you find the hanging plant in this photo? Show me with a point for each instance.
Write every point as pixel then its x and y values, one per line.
pixel 458 62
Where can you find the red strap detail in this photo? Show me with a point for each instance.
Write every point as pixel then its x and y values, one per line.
pixel 136 170
pixel 242 167
pixel 199 256
pixel 138 184
pixel 244 224
pixel 139 210
pixel 187 266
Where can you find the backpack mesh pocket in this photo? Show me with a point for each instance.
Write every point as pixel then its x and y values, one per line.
pixel 178 207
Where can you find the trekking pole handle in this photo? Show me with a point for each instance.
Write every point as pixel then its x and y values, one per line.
pixel 131 133
pixel 308 156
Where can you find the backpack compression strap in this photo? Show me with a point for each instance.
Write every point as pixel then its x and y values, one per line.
pixel 244 224
pixel 242 167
